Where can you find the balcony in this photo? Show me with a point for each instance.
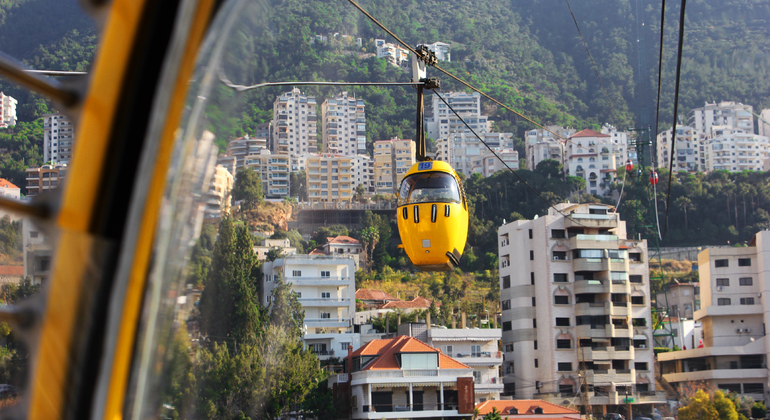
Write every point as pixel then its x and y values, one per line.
pixel 583 220
pixel 590 264
pixel 320 281
pixel 484 358
pixel 619 309
pixel 592 331
pixel 324 302
pixel 591 286
pixel 593 308
pixel 327 322
pixel 593 241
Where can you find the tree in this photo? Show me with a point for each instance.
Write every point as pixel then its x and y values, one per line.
pixel 758 410
pixel 369 238
pixel 724 406
pixel 683 202
pixel 493 415
pixel 248 187
pixel 285 309
pixel 298 185
pixel 699 408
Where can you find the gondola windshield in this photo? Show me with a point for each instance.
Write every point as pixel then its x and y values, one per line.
pixel 429 187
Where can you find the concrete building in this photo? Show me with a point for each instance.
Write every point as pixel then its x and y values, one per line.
pixel 594 157
pixel 218 198
pixel 685 333
pixel 442 50
pixel 9 190
pixel 735 150
pixel 37 252
pixel 726 113
pixel 344 125
pixel 284 245
pixel 683 299
pixel 477 348
pixel 527 409
pixel 7 110
pixel 273 169
pixel 392 160
pixel 325 286
pixel 688 150
pixel 395 54
pixel 294 126
pixel 440 121
pixel 735 285
pixel 243 147
pixel 403 377
pixel 575 296
pixel 468 155
pixel 333 178
pixel 45 178
pixel 58 139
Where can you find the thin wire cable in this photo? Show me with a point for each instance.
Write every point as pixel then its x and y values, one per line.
pixel 660 62
pixel 657 221
pixel 617 207
pixel 676 108
pixel 502 161
pixel 596 69
pixel 243 88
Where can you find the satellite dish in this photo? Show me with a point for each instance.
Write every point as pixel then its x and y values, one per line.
pixel 535 218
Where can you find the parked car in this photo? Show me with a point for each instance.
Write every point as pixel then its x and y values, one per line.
pixel 613 416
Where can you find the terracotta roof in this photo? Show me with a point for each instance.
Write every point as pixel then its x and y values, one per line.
pixel 524 407
pixel 374 294
pixel 317 251
pixel 4 183
pixel 342 240
pixel 418 302
pixel 386 351
pixel 588 133
pixel 11 270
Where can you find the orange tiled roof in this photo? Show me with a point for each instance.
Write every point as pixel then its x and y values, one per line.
pixel 524 407
pixel 317 251
pixel 418 302
pixel 373 294
pixel 11 270
pixel 386 351
pixel 4 183
pixel 588 133
pixel 343 240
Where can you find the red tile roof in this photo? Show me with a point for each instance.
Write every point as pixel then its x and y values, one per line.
pixel 418 302
pixel 317 251
pixel 524 407
pixel 11 270
pixel 343 240
pixel 4 183
pixel 374 294
pixel 386 351
pixel 588 133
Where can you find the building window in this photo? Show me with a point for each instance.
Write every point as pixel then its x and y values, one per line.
pixel 507 326
pixel 565 367
pixel 557 233
pixel 721 263
pixel 723 282
pixel 326 315
pixel 757 388
pixel 534 302
pixel 510 368
pixel 562 322
pixel 530 234
pixel 506 304
pixel 536 365
pixel 326 273
pixel 635 256
pixel 344 346
pixel 639 322
pixel 560 278
pixel 560 255
pixel 506 282
pixel 508 348
pixel 531 255
pixel 475 350
pixel 635 278
pixel 561 300
pixel 744 262
pixel 563 344
pixel 747 301
pixel 325 295
pixel 723 302
pixel 640 366
pixel 32 234
pixel 745 281
pixel 534 324
pixel 532 278
pixel 637 300
pixel 296 273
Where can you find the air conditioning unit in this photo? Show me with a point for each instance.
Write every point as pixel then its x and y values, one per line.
pixel 719 288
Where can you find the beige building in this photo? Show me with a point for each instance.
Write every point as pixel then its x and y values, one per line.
pixel 735 150
pixel 332 178
pixel 274 171
pixel 344 125
pixel 58 139
pixel 575 303
pixel 241 148
pixel 7 110
pixel 682 299
pixel 294 126
pixel 395 54
pixel 688 150
pixel 468 155
pixel 45 178
pixel 218 197
pixel 392 160
pixel 441 122
pixel 735 284
pixel 726 113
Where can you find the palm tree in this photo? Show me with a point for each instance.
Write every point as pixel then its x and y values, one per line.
pixel 684 202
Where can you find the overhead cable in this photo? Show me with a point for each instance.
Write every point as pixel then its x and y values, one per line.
pixel 660 62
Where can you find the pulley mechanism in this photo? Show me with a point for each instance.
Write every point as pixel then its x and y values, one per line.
pixel 420 62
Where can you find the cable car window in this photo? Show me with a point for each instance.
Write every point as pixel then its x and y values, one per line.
pixel 430 187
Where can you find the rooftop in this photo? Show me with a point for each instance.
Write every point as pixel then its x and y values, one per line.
pixel 386 350
pixel 374 294
pixel 523 407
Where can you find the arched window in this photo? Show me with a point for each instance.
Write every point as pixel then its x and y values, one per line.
pixel 580 160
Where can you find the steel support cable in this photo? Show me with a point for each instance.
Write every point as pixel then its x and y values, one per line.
pixel 503 162
pixel 657 221
pixel 660 62
pixel 676 108
pixel 620 197
pixel 596 69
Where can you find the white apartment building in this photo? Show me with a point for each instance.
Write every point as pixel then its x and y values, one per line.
pixel 9 190
pixel 218 197
pixel 468 155
pixel 392 160
pixel 396 55
pixel 7 110
pixel 575 296
pixel 594 157
pixel 764 123
pixel 58 138
pixel 273 169
pixel 726 113
pixel 477 348
pixel 442 50
pixel 542 144
pixel 735 150
pixel 620 146
pixel 440 121
pixel 332 178
pixel 688 150
pixel 325 286
pixel 284 245
pixel 294 125
pixel 344 125
pixel 242 147
pixel 735 284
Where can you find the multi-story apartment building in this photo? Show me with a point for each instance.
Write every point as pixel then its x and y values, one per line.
pixel 542 144
pixel 576 306
pixel 45 178
pixel 403 377
pixel 218 197
pixel 592 156
pixel 735 314
pixel 58 138
pixel 621 149
pixel 688 149
pixel 477 348
pixel 735 150
pixel 396 55
pixel 37 252
pixel 468 155
pixel 442 50
pixel 335 177
pixel 325 286
pixel 282 245
pixel 729 114
pixel 440 121
pixel 764 123
pixel 243 147
pixel 392 160
pixel 273 169
pixel 7 110
pixel 294 125
pixel 344 125
pixel 682 299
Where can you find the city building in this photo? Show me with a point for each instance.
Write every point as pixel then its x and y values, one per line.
pixel 243 147
pixel 688 150
pixel 527 409
pixel 273 170
pixel 45 178
pixel 11 191
pixel 726 113
pixel 468 155
pixel 392 160
pixel 477 348
pixel 575 306
pixel 442 50
pixel 735 150
pixel 344 125
pixel 7 110
pixel 37 252
pixel 734 289
pixel 282 245
pixel 440 121
pixel 294 126
pixel 403 377
pixel 218 198
pixel 594 157
pixel 325 286
pixel 682 299
pixel 684 333
pixel 11 274
pixel 764 123
pixel 373 298
pixel 396 55
pixel 58 139
pixel 333 178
